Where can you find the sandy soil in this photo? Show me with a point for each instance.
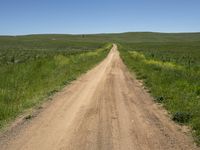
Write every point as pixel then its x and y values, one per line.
pixel 107 108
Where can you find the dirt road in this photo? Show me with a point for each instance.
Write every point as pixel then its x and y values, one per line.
pixel 105 109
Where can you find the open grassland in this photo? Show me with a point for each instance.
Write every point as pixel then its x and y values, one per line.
pixel 35 66
pixel 33 69
pixel 171 71
pixel 58 41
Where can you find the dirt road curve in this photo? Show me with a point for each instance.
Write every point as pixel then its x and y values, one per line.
pixel 104 109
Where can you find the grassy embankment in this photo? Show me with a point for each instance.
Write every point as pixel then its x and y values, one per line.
pixel 171 70
pixel 31 70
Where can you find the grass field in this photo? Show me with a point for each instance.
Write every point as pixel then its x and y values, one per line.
pixel 32 69
pixel 34 66
pixel 171 70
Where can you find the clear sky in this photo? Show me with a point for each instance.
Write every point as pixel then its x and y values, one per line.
pixel 98 16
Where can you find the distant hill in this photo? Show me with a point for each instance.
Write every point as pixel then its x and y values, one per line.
pixel 112 37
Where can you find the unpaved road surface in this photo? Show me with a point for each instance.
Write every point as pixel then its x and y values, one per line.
pixel 105 109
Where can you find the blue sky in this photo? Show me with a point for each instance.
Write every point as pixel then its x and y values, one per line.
pixel 98 16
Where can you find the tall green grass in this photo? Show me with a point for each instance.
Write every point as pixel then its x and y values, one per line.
pixel 34 66
pixel 172 74
pixel 26 83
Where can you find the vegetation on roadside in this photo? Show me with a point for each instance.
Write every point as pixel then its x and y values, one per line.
pixel 171 70
pixel 31 71
pixel 34 66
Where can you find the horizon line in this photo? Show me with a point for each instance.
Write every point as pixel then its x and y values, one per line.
pixel 101 33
